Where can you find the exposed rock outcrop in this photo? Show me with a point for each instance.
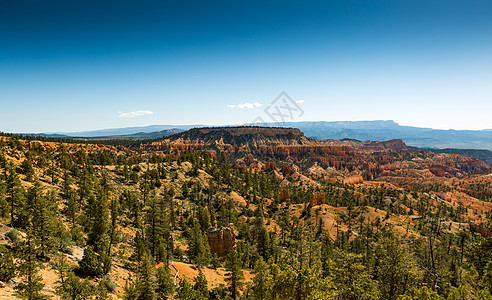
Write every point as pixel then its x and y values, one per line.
pixel 265 141
pixel 317 198
pixel 222 240
pixel 396 144
pixel 284 195
pixel 252 146
pixel 355 179
pixel 481 229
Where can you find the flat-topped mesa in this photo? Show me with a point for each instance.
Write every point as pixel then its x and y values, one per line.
pixel 396 144
pixel 248 139
pixel 370 146
pixel 239 135
pixel 253 130
pixel 265 141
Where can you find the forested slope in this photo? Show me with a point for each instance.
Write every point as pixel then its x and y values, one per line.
pixel 97 221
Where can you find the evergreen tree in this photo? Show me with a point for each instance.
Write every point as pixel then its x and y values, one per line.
pixel 204 218
pixel 351 279
pixel 165 284
pixel 234 273
pixel 73 288
pixel 27 168
pixel 43 211
pixel 479 253
pixel 90 263
pixel 15 197
pixel 263 243
pixel 396 270
pixel 200 286
pixel 469 287
pixel 185 291
pixel 113 232
pixel 487 277
pixel 4 204
pixel 199 250
pixel 422 293
pixel 7 265
pixel 102 292
pixel 146 281
pixel 32 285
pixel 72 209
pixel 60 265
pixel 262 280
pixel 157 228
pixel 291 279
pixel 98 213
pixel 139 247
pixel 130 289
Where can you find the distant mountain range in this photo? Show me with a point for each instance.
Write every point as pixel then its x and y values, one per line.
pixel 120 132
pixel 388 130
pixel 359 130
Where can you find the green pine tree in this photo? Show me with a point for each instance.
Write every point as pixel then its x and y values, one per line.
pixel 351 279
pixel 199 250
pixel 165 284
pixel 146 280
pixel 396 270
pixel 200 286
pixel 32 285
pixel 90 263
pixel 185 291
pixel 262 280
pixel 73 288
pixel 15 197
pixel 234 273
pixel 8 268
pixel 44 212
pixel 98 213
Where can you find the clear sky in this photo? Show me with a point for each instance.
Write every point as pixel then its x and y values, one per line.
pixel 83 65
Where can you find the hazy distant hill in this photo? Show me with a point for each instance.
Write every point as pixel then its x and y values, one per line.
pixel 136 137
pixel 388 130
pixel 93 136
pixel 127 131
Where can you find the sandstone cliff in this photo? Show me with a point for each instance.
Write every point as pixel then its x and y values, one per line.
pixel 221 240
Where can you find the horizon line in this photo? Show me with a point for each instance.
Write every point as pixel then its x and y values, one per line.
pixel 189 126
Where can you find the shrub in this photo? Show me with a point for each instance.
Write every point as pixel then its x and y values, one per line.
pixel 13 235
pixel 108 284
pixel 90 264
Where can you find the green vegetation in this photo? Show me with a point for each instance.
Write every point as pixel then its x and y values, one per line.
pixel 132 212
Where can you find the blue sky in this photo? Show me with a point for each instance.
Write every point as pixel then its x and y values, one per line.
pixel 84 65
